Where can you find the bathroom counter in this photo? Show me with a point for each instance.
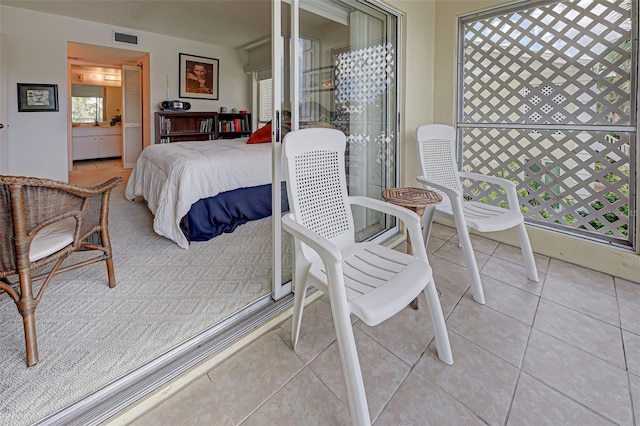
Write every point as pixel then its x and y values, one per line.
pixel 97 142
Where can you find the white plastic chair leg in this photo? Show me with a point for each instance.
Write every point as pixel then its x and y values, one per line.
pixel 439 326
pixel 527 253
pixel 300 291
pixel 470 261
pixel 428 214
pixel 350 366
pixel 296 318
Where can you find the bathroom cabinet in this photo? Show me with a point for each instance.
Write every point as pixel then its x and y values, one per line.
pixel 97 142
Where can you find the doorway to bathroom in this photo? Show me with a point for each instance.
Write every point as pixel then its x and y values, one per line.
pixel 106 105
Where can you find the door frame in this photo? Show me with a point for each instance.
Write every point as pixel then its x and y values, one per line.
pixel 278 288
pixel 4 99
pixel 144 64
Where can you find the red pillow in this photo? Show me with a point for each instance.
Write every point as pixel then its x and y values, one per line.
pixel 262 135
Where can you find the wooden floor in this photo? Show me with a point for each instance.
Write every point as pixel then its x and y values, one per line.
pixel 93 172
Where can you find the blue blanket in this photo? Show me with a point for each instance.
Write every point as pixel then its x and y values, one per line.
pixel 210 217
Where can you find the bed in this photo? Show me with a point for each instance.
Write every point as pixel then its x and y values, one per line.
pixel 197 190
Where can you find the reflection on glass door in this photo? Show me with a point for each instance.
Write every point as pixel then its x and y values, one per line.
pixel 348 81
pixel 344 77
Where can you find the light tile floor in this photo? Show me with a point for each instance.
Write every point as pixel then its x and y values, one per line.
pixel 565 351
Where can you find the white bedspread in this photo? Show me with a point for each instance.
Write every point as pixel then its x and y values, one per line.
pixel 171 177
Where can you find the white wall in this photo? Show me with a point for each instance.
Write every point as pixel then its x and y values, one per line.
pixel 36 47
pixel 417 79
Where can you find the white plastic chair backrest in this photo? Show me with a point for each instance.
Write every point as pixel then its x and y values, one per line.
pixel 317 184
pixel 436 151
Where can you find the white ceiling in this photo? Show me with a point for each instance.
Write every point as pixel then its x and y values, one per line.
pixel 231 23
pixel 237 24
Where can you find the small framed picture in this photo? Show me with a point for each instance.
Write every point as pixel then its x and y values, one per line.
pixel 37 97
pixel 199 78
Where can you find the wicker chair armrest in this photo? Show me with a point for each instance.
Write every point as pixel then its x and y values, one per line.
pixel 78 190
pixel 57 200
pixel 87 191
pixel 97 206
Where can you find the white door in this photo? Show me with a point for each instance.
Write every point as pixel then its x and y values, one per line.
pixel 4 131
pixel 131 115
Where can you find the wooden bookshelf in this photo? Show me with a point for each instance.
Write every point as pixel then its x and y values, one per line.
pixel 177 126
pixel 234 125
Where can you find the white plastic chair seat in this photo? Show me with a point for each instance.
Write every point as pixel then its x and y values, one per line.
pixel 379 282
pixel 484 217
pixel 52 238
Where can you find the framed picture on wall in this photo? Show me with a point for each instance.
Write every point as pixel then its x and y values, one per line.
pixel 37 97
pixel 199 78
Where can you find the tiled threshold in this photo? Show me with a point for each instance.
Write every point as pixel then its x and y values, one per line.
pixel 127 398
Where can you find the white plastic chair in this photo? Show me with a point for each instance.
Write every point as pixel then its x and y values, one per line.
pixel 367 279
pixel 436 151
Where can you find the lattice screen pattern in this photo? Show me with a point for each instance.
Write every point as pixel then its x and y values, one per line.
pixel 362 75
pixel 559 64
pixel 362 81
pixel 363 78
pixel 568 179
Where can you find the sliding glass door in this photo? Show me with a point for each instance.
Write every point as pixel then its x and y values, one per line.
pixel 348 81
pixel 335 65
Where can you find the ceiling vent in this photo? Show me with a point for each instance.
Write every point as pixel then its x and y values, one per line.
pixel 125 38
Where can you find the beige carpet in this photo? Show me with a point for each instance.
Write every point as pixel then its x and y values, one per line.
pixel 90 335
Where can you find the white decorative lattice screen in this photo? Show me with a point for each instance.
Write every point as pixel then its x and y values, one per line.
pixel 548 101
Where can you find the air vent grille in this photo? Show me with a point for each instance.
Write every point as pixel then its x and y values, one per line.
pixel 125 38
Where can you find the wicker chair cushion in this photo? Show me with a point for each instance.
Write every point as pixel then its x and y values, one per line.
pixel 52 238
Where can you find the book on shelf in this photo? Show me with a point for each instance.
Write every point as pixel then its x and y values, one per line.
pixel 235 125
pixel 206 125
pixel 165 125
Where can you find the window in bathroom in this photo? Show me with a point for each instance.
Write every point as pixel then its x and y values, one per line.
pixel 87 103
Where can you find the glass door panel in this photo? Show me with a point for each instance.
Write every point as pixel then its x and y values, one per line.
pixel 347 80
pixel 335 65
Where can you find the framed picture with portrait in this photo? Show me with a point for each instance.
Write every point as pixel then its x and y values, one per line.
pixel 199 77
pixel 37 97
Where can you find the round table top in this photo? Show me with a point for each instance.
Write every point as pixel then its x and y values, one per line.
pixel 412 197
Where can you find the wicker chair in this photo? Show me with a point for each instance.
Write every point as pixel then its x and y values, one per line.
pixel 42 221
